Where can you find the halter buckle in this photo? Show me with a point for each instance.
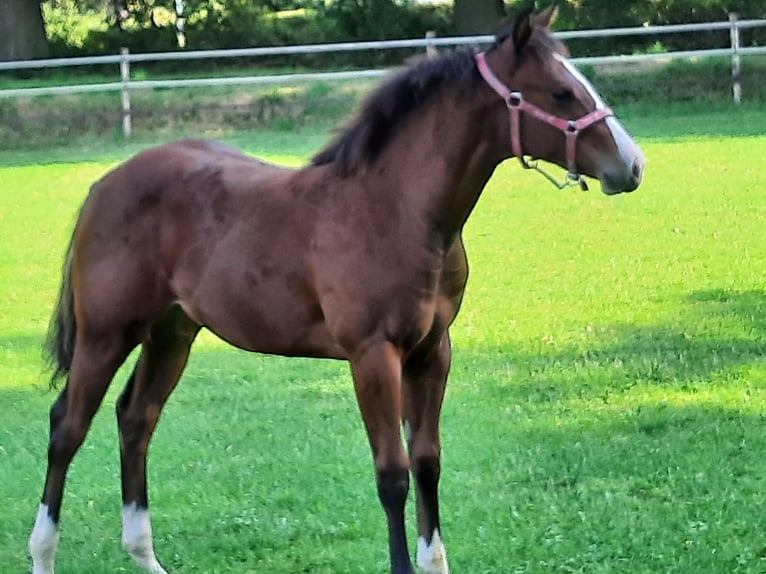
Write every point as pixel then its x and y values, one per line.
pixel 514 100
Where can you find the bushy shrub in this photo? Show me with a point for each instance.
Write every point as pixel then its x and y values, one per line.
pixel 382 19
pixel 244 23
pixel 212 24
pixel 597 14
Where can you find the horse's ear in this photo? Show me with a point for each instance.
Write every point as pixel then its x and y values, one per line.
pixel 522 29
pixel 546 18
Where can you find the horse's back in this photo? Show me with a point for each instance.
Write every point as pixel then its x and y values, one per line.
pixel 184 160
pixel 185 172
pixel 153 215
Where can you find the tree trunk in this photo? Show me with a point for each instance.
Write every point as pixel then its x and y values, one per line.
pixel 478 16
pixel 22 31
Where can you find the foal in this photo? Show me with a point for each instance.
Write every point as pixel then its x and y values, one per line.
pixel 357 256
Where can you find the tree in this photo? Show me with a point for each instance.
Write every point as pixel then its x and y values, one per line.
pixel 22 31
pixel 478 16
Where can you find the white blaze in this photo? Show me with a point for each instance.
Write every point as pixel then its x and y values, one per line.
pixel 626 146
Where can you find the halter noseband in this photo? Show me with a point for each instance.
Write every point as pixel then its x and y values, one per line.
pixel 571 128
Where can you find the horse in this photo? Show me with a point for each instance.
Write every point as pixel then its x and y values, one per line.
pixel 357 256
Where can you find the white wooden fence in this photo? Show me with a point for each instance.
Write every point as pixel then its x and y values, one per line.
pixel 125 85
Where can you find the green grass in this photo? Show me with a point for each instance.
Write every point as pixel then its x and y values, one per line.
pixel 605 412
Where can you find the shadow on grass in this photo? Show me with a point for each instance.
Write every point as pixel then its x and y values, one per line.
pixel 668 489
pixel 748 306
pixel 572 461
pixel 22 355
pixel 287 147
pixel 681 120
pixel 720 334
pixel 23 342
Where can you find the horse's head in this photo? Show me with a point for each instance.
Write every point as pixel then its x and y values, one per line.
pixel 555 113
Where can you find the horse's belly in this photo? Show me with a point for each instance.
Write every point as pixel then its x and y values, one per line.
pixel 266 322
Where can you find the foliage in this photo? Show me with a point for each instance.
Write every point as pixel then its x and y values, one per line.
pixel 79 28
pixel 373 20
pixel 150 25
pixel 242 23
pixel 69 25
pixel 596 14
pixel 602 14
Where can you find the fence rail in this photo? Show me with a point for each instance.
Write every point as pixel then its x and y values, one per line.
pixel 125 59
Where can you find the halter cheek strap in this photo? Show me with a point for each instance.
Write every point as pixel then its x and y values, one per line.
pixel 571 128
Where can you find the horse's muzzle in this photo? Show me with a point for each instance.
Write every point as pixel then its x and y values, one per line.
pixel 624 182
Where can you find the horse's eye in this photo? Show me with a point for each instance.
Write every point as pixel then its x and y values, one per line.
pixel 564 96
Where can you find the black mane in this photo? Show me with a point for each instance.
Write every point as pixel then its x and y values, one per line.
pixel 380 116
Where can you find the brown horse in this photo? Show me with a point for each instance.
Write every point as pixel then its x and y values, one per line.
pixel 357 256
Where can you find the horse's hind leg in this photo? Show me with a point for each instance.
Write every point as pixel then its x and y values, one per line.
pixel 425 377
pixel 95 360
pixel 163 358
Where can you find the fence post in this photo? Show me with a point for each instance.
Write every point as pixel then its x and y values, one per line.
pixel 180 23
pixel 125 78
pixel 736 86
pixel 431 51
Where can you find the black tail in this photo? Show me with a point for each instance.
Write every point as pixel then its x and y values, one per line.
pixel 59 344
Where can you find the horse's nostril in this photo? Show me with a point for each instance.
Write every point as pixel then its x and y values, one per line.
pixel 636 169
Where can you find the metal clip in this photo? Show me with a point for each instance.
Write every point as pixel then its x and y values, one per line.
pixel 572 179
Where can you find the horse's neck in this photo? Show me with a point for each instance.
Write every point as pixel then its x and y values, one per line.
pixel 441 162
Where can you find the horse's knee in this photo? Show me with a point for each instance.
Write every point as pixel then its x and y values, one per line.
pixel 393 488
pixel 426 469
pixel 135 426
pixel 135 418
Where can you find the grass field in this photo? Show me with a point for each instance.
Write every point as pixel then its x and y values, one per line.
pixel 605 413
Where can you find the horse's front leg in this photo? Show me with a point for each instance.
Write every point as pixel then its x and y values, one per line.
pixel 377 380
pixel 425 377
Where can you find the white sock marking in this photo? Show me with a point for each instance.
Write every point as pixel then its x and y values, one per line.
pixel 43 542
pixel 432 558
pixel 137 538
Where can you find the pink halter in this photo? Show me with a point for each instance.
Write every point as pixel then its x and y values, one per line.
pixel 571 128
